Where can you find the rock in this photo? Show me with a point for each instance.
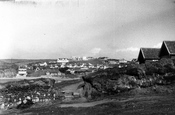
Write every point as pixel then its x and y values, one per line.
pixel 117 80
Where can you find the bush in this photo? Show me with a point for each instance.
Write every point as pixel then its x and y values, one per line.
pixel 166 61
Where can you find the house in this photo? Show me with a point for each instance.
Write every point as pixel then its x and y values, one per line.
pixel 84 58
pixel 113 61
pixel 43 64
pixel 62 60
pixel 122 61
pixel 148 54
pixel 53 65
pixel 37 68
pixel 167 50
pixel 71 71
pixel 69 66
pixel 77 58
pixel 22 72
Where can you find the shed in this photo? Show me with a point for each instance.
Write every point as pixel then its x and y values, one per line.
pixel 148 54
pixel 167 50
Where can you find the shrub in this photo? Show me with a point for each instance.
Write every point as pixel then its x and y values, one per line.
pixel 166 61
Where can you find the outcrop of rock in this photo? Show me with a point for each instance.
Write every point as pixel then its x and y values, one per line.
pixel 117 80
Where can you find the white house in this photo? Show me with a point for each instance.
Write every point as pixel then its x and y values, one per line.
pixel 62 60
pixel 43 64
pixel 22 72
pixel 77 58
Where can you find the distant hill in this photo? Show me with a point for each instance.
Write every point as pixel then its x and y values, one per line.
pixel 6 65
pixel 23 61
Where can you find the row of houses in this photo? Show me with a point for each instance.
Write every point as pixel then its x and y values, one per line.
pixel 84 58
pixel 74 58
pixel 167 50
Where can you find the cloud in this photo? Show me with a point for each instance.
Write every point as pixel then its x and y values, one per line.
pixel 95 51
pixel 132 49
pixel 157 45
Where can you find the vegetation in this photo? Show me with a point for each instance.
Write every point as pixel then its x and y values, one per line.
pixel 117 80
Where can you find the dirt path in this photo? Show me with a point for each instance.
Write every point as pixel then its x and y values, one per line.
pixel 89 104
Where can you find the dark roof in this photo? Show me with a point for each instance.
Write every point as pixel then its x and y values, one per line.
pixel 150 53
pixel 170 45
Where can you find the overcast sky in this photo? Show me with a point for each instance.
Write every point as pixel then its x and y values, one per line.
pixel 65 28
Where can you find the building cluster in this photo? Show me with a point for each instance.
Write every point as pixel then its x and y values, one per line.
pixel 167 50
pixel 76 58
pixel 75 66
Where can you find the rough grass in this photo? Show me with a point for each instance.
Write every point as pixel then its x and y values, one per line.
pixel 145 105
pixel 136 102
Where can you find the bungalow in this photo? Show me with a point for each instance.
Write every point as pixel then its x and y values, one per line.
pixel 62 60
pixel 167 50
pixel 22 72
pixel 43 64
pixel 148 54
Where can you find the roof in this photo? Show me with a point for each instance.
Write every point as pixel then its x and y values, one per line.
pixel 170 45
pixel 150 53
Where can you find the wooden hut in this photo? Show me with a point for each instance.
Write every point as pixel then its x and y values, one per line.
pixel 148 54
pixel 167 50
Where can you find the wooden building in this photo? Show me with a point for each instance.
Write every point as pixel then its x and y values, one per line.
pixel 167 50
pixel 148 54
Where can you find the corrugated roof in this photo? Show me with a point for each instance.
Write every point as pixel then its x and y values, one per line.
pixel 170 46
pixel 150 53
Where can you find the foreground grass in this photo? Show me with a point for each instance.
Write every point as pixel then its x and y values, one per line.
pixel 135 102
pixel 144 105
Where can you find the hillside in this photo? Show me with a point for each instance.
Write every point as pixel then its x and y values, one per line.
pixel 24 61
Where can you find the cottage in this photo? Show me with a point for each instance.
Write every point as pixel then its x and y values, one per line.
pixel 148 54
pixel 62 60
pixel 22 72
pixel 43 64
pixel 167 50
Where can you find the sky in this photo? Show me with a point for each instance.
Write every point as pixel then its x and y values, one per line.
pixel 49 29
